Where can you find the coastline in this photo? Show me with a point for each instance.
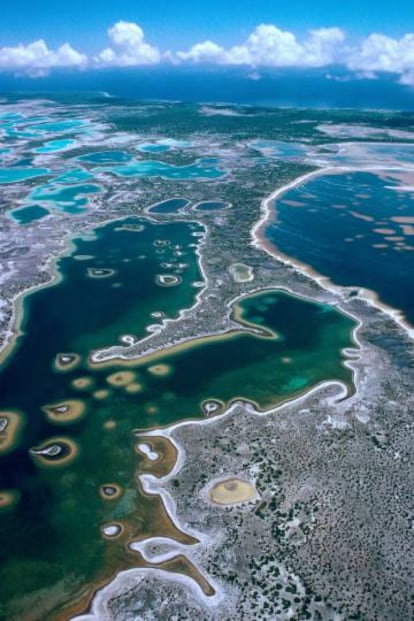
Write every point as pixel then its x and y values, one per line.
pixel 154 485
pixel 260 241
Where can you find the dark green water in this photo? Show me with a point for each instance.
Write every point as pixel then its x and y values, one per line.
pixel 51 538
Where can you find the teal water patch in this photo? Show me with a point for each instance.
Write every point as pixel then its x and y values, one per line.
pixel 12 117
pixel 280 150
pixel 25 162
pixel 164 144
pixel 53 127
pixel 77 175
pixel 15 175
pixel 10 131
pixel 296 383
pixel 171 205
pixel 69 199
pixel 54 146
pixel 25 215
pixel 150 147
pixel 400 152
pixel 4 153
pixel 356 228
pixel 105 157
pixel 211 205
pixel 201 170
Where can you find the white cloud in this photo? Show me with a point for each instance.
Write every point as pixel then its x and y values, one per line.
pixel 206 52
pixel 379 52
pixel 268 46
pixel 36 59
pixel 129 47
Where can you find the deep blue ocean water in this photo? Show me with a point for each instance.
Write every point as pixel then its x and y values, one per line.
pixel 275 87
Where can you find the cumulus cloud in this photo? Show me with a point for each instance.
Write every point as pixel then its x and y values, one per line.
pixel 269 46
pixel 379 52
pixel 129 47
pixel 266 46
pixel 36 59
pixel 207 52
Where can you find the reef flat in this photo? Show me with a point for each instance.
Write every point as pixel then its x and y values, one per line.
pixel 298 393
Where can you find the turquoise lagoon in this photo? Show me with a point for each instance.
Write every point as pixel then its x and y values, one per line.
pixel 15 175
pixel 55 146
pixel 71 199
pixel 162 145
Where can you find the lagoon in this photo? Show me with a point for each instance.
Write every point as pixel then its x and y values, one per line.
pixel 356 228
pixel 79 419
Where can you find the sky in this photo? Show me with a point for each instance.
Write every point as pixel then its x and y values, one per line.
pixel 364 36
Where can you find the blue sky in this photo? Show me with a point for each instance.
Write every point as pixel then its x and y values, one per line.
pixel 173 24
pixel 366 37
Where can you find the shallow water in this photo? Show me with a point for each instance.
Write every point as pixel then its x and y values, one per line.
pixel 162 145
pixel 150 147
pixel 55 146
pixel 280 150
pixel 15 175
pixel 71 199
